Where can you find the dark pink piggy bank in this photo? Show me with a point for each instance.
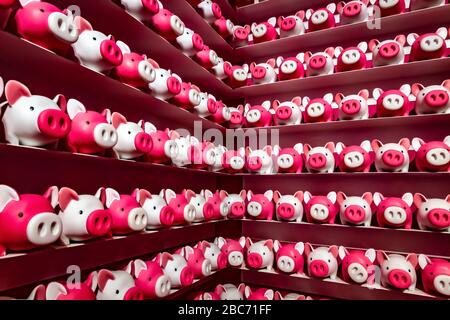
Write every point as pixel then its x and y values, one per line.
pixel 224 27
pixel 354 158
pixel 289 257
pixel 236 117
pixel 432 214
pixel 391 7
pixel 319 63
pixel 435 275
pixel 289 160
pixel 46 25
pixel 149 278
pixel 292 25
pixel 432 156
pixel 357 265
pixel 189 96
pixel 291 67
pixel 318 109
pixel 212 252
pixel 168 25
pixel 258 115
pixel 393 103
pixel 260 206
pixel 388 52
pixel 233 161
pixel 142 10
pixel 126 212
pixel 233 250
pixel 322 18
pixel 163 145
pixel 394 212
pixel 207 58
pixel 215 201
pixel 237 75
pixel 264 31
pixel 240 35
pixel 428 45
pixel 320 209
pixel 91 132
pixel 258 294
pixel 351 58
pixel 353 11
pixel 207 296
pixel 28 221
pixel 398 271
pixel 195 258
pixel 183 211
pixel 222 114
pixel 6 8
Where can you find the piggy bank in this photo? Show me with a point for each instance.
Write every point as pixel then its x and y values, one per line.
pixel 322 18
pixel 428 45
pixel 397 271
pixel 28 221
pixel 166 84
pixel 393 103
pixel 224 27
pixel 46 25
pixel 351 58
pixel 354 106
pixel 207 106
pixel 94 49
pixel 388 52
pixel 236 117
pixel 142 10
pixel 260 254
pixel 289 160
pixel 188 97
pixel 176 268
pixel 229 291
pixel 320 63
pixel 260 206
pixel 209 10
pixel 190 42
pixel 200 266
pixel 66 291
pixel 91 132
pixel 353 11
pixel 135 70
pixel 233 250
pixel 159 214
pixel 219 208
pixel 432 156
pixel 357 265
pixel 202 155
pixel 354 158
pixel 435 275
pixel 203 210
pixel 6 8
pixel 83 216
pixel 212 252
pixel 149 278
pixel 235 204
pixel 320 209
pixel 127 215
pixel 258 294
pixel 259 161
pixel 33 120
pixel 237 75
pixel 432 99
pixel 264 31
pixel 207 58
pixel 292 25
pixel 117 285
pixel 319 159
pixel 355 210
pixel 263 72
pixel 289 207
pixel 207 296
pixel 240 35
pixel 258 115
pixel 322 261
pixel 291 67
pixel 390 7
pixel 182 152
pixel 287 112
pixel 318 109
pixel 391 157
pixel 132 141
pixel 183 211
pixel 164 148
pixel 291 296
pixel 219 69
pixel 217 157
pixel 222 115
pixel 432 214
pixel 168 25
pixel 422 4
pixel 289 257
pixel 393 212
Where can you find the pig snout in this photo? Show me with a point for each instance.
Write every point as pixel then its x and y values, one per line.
pixel 350 57
pixel 235 258
pixel 177 25
pixel 254 260
pixel 171 149
pixel 197 41
pixel 286 210
pixel 285 161
pixel 222 261
pixel 442 284
pixel 317 62
pixel 438 156
pixel 254 208
pixel 194 97
pixel 216 10
pixel 236 118
pixel 431 43
pixel 208 211
pixel 105 135
pixel 137 219
pixel 284 113
pixel 44 228
pixel 134 294
pixel 206 267
pixel 151 5
pixel 395 215
pixel 319 212
pixel 237 209
pixel 173 85
pixel 352 9
pixel 439 217
pixel 54 123
pixel 166 216
pixel 355 213
pixel 389 50
pixel 317 161
pixel 241 34
pixel 254 163
pixel 259 72
pixel 399 279
pixel 143 142
pixel 162 286
pixel 353 159
pixel 146 71
pixel 189 213
pixel 393 102
pixel 287 24
pixel 436 98
pixel 315 110
pixel 62 27
pixel 111 52
pixel 318 268
pixel 351 107
pixel 357 272
pixel 186 276
pixel 237 163
pixel 393 158
pixel 99 223
pixel 286 264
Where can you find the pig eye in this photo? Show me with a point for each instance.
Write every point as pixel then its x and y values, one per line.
pixel 409 270
pixel 431 273
pixel 20 214
pixel 129 132
pixel 149 279
pixel 122 209
pixel 176 269
pixel 345 206
pixel 402 151
pixel 178 205
pixel 264 253
pixel 41 10
pixel 117 291
pixel 381 152
pixel 198 204
pixel 94 38
pixel 80 212
pixel 364 206
pixel 31 108
pixel 310 259
pixel 329 261
pixel 154 208
pixel 212 254
pixel 88 122
pixel 159 139
pixel 196 261
pixel 162 75
pixel 387 268
pixel 426 209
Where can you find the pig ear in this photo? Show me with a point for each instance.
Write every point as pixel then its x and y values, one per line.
pixel 300 247
pixel 405 143
pixel 223 194
pixel 447 140
pixel 52 195
pixel 82 24
pixel 245 67
pixel 371 254
pixel 60 100
pixel 241 152
pixel 38 293
pixel 419 199
pixel 339 97
pixel 339 147
pixel 142 195
pixel 442 32
pixel 249 195
pixel 271 62
pixel 332 196
pixel 376 93
pixel 173 134
pixel 74 107
pixel 307 196
pixel 187 251
pixel 278 296
pixel 15 90
pixel 248 292
pixel 416 88
pixel 330 51
pixel 107 114
pixel 268 150
pixel 381 257
pixel 118 119
pixel 220 242
pixel 269 294
pixel 252 27
pixel 366 145
pixel 242 242
pixel 139 265
pixel 101 195
pixel 300 14
pixel 377 198
pixel 252 66
pixel 2 86
pixel 337 51
pixel 208 194
pixel 273 21
pixel 340 6
pixel 342 252
pixel 305 101
pixel 248 150
pixel 65 196
pixel 275 104
pixel 242 194
pixel 341 196
pixel 54 289
pixel 280 20
pixel 269 195
pixel 123 47
pixel 266 105
pixel 248 242
pixel 368 197
pixel 406 89
pixel 376 144
pixel 328 97
pixel 220 289
pixel 307 56
pixel 445 84
pixel 103 277
pixel 423 261
pixel 91 280
pixel 330 146
pixel 279 61
pixel 299 195
pixel 276 196
pixel 241 288
pixel 411 38
pixel 189 194
pixel 164 258
pixel 412 258
pixel 401 39
pixel 301 57
pixel 309 13
pixel 153 63
pixel 276 245
pixel 169 195
pixel 364 93
pixel 362 46
pixel 297 100
pixel 7 194
pixel 417 143
pixel 306 149
pixel 332 7
pixel 308 248
pixel 373 44
pixel 111 195
pixel 299 148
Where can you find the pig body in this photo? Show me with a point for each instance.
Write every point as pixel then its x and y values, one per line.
pixel 240 35
pixel 292 25
pixel 432 99
pixel 391 7
pixel 291 67
pixel 176 268
pixel 289 207
pixel 320 63
pixel 233 250
pixel 189 96
pixel 258 294
pixel 196 261
pixel 166 84
pixel 219 208
pixel 190 42
pixel 322 261
pixel 263 72
pixel 203 209
pixel 183 211
pixel 422 4
pixel 397 271
pixel 117 285
pixel 142 10
pixel 433 214
pixel 322 18
pixel 237 75
pixel 432 156
pixel 207 58
pixel 209 10
pixel 355 210
pixel 264 31
pixel 224 27
pixel 357 265
pixel 352 58
pixel 163 146
pixel 219 69
pixel 229 291
pixel 393 212
pixel 354 106
pixel 435 275
pixel 289 160
pixel 182 152
pixel 222 115
pixel 353 11
pixel 393 103
pixel 207 105
pixel 428 46
pixel 212 252
pixel 260 254
pixel 260 161
pixel 388 52
pixel 391 157
pixel 149 278
pixel 260 206
pixel 258 115
pixel 289 257
pixel 318 109
pixel 354 158
pixel 159 214
pixel 168 25
pixel 320 159
pixel 320 209
pixel 287 112
pixel 235 204
pixel 66 291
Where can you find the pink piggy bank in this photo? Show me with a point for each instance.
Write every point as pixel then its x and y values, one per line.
pixel 357 265
pixel 83 216
pixel 28 221
pixel 230 291
pixel 33 120
pixel 260 254
pixel 159 214
pixel 264 31
pixel 258 115
pixel 428 45
pixel 183 211
pixel 322 18
pixel 234 203
pixel 291 68
pixel 149 278
pixel 394 212
pixel 209 10
pixel 6 8
pixel 163 146
pixel 176 268
pixel 66 291
pixel 397 271
pixel 320 63
pixel 318 109
pixel 46 25
pixel 393 103
pixel 142 10
pixel 388 52
pixel 190 42
pixel 219 208
pixel 355 210
pixel 207 58
pixel 233 250
pixel 291 296
pixel 391 7
pixel 263 72
pixel 289 207
pixel 212 252
pixel 237 75
pixel 289 257
pixel 91 132
pixel 287 112
pixel 224 27
pixel 94 49
pixel 354 158
pixel 320 209
pixel 222 115
pixel 168 25
pixel 117 285
pixel 289 160
pixel 353 11
pixel 200 266
pixel 422 4
pixel 432 99
pixel 260 206
pixel 435 275
pixel 433 214
pixel 203 209
pixel 126 212
pixel 432 156
pixel 258 294
pixel 292 25
pixel 259 161
pixel 322 261
pixel 391 157
pixel 236 117
pixel 240 35
pixel 166 84
pixel 320 159
pixel 354 106
pixel 189 96
pixel 207 106
pixel 351 58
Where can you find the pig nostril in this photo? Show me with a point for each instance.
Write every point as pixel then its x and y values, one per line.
pixel 53 227
pixel 41 229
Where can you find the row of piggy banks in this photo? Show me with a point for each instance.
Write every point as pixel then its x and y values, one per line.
pixel 311 20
